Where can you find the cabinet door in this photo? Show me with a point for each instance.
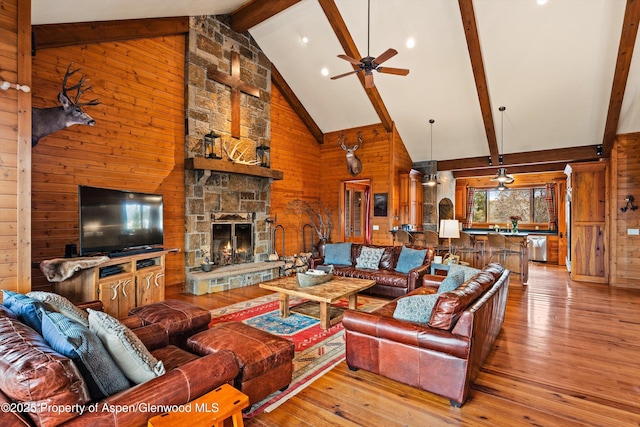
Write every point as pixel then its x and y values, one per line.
pixel 118 296
pixel 150 286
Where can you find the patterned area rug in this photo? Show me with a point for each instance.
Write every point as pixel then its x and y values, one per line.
pixel 317 350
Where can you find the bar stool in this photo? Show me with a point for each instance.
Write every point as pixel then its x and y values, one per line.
pixel 498 245
pixel 465 245
pixel 403 237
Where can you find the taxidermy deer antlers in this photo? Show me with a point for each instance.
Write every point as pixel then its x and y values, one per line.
pixel 354 165
pixel 235 156
pixel 46 121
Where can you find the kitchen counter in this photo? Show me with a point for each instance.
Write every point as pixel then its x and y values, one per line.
pixel 520 233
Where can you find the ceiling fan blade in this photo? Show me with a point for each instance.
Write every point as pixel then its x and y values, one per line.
pixel 389 53
pixel 397 71
pixel 349 59
pixel 368 80
pixel 344 75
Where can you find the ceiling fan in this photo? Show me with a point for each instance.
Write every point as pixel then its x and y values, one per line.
pixel 368 64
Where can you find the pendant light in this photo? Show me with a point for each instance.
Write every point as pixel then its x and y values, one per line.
pixel 433 178
pixel 502 176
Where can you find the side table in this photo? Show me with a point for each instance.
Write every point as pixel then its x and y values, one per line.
pixel 210 409
pixel 441 267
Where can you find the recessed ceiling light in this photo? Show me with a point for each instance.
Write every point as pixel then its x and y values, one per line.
pixel 325 72
pixel 411 42
pixel 541 2
pixel 305 39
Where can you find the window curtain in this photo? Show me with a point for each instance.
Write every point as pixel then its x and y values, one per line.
pixel 471 192
pixel 551 205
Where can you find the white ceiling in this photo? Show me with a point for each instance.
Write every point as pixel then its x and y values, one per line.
pixel 551 65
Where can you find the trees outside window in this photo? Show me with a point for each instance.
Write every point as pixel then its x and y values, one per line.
pixel 495 207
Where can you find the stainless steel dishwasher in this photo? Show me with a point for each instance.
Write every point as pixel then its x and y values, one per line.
pixel 537 248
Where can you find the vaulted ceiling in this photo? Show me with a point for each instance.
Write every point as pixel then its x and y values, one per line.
pixel 564 70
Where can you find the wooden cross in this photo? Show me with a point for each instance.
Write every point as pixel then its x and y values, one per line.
pixel 237 86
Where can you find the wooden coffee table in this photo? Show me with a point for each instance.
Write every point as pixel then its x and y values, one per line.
pixel 325 293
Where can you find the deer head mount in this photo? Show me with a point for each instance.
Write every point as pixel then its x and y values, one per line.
pixel 46 121
pixel 354 165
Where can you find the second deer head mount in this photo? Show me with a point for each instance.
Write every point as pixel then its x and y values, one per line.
pixel 354 165
pixel 45 121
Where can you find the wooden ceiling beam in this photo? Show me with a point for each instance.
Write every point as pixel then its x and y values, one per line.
pixel 73 34
pixel 478 166
pixel 257 11
pixel 346 41
pixel 623 63
pixel 541 167
pixel 477 64
pixel 296 105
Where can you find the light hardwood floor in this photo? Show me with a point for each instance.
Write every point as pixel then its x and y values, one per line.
pixel 568 355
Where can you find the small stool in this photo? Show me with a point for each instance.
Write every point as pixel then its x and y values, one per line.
pixel 180 319
pixel 265 360
pixel 210 409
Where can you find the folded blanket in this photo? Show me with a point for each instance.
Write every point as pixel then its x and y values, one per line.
pixel 60 269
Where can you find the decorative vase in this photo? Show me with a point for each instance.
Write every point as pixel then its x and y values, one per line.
pixel 514 226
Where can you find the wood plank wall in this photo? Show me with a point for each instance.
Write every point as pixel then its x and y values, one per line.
pixel 624 255
pixel 15 147
pixel 294 151
pixel 137 143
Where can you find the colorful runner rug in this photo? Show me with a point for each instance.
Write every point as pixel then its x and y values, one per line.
pixel 317 350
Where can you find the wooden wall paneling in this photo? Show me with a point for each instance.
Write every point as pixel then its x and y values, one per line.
pixel 624 255
pixel 295 151
pixel 15 135
pixel 137 143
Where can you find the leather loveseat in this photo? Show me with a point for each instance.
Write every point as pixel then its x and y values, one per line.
pixel 39 386
pixel 390 283
pixel 443 356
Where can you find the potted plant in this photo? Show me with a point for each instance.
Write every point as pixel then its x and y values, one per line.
pixel 514 222
pixel 320 217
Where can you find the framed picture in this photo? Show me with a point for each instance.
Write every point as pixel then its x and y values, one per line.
pixel 380 201
pixel 452 259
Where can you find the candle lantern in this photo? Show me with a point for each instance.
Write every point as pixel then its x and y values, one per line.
pixel 262 155
pixel 212 145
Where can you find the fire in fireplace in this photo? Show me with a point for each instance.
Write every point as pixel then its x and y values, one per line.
pixel 232 238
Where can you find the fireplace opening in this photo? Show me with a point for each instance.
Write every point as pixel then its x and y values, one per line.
pixel 232 238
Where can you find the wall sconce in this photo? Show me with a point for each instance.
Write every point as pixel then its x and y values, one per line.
pixel 262 155
pixel 629 200
pixel 211 140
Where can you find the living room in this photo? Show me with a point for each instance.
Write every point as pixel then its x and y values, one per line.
pixel 139 144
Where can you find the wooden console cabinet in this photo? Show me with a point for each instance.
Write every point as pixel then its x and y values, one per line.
pixel 140 281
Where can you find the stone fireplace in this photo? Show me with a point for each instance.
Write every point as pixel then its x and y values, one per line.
pixel 226 207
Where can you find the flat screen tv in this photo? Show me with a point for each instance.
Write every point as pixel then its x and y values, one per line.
pixel 115 221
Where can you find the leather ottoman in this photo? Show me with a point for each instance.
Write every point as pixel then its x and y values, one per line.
pixel 179 319
pixel 265 360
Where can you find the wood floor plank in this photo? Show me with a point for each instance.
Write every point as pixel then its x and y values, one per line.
pixel 566 356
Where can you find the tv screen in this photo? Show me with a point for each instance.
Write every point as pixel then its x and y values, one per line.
pixel 114 220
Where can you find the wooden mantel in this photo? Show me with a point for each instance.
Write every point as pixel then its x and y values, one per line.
pixel 221 165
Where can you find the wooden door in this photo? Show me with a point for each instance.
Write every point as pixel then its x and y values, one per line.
pixel 355 215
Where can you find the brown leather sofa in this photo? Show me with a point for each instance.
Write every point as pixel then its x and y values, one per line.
pixel 443 356
pixel 389 282
pixel 37 383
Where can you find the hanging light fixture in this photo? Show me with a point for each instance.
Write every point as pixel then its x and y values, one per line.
pixel 433 178
pixel 502 176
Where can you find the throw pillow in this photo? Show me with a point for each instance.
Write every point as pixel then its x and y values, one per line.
pixel 451 282
pixel 125 347
pixel 337 253
pixel 62 305
pixel 369 258
pixel 410 259
pixel 27 309
pixel 77 342
pixel 468 272
pixel 415 308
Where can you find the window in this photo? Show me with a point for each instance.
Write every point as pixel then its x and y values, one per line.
pixel 495 206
